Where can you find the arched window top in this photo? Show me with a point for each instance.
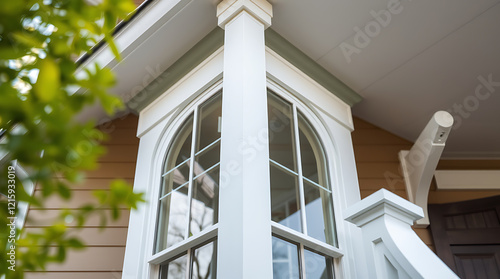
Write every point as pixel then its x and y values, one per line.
pixel 300 187
pixel 188 201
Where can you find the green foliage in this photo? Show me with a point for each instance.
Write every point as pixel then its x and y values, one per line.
pixel 39 43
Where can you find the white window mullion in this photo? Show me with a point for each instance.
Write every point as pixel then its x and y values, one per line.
pixel 299 169
pixel 188 265
pixel 194 136
pixel 302 260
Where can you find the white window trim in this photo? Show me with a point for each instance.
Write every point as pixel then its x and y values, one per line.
pixel 162 149
pixel 160 120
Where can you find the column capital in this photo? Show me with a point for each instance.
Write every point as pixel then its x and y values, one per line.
pixel 259 9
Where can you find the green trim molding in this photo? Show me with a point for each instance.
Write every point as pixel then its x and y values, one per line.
pixel 214 40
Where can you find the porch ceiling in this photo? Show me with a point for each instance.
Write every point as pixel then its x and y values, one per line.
pixel 427 56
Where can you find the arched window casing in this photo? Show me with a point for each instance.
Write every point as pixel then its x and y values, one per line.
pixel 185 159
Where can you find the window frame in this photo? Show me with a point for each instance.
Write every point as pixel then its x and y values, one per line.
pixel 167 138
pixel 333 173
pixel 329 115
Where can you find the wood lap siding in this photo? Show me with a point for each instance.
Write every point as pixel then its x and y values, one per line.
pixel 377 163
pixel 376 152
pixel 103 256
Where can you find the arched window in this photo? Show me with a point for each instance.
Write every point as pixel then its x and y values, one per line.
pixel 301 195
pixel 189 194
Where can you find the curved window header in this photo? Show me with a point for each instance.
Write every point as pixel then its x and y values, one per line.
pixel 301 196
pixel 190 181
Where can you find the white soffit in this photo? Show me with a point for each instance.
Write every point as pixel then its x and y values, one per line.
pixel 428 57
pixel 152 42
pixel 468 179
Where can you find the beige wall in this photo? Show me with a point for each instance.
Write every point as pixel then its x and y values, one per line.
pixel 376 152
pixel 103 256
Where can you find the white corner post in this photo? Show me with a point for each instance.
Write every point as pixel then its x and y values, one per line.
pixel 420 162
pixel 244 234
pixel 392 248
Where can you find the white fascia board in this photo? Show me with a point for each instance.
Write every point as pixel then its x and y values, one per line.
pixel 136 32
pixel 467 179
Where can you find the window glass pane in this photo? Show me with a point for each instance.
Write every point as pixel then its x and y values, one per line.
pixel 175 269
pixel 180 149
pixel 285 259
pixel 281 139
pixel 172 218
pixel 205 201
pixel 209 115
pixel 204 262
pixel 207 158
pixel 312 154
pixel 175 178
pixel 319 213
pixel 317 266
pixel 285 201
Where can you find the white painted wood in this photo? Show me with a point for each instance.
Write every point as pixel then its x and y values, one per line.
pixel 308 241
pixel 181 94
pixel 159 130
pixel 284 74
pixel 336 139
pixel 420 162
pixel 467 179
pixel 260 9
pixel 393 249
pixel 244 246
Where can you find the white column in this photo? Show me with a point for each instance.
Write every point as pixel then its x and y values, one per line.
pixel 244 241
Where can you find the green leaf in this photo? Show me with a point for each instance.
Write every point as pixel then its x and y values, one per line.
pixel 49 80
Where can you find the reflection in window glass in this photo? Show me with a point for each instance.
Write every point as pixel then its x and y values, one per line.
pixel 319 212
pixel 190 182
pixel 281 135
pixel 173 218
pixel 204 262
pixel 209 123
pixel 285 259
pixel 175 269
pixel 313 160
pixel 298 186
pixel 317 266
pixel 285 206
pixel 204 205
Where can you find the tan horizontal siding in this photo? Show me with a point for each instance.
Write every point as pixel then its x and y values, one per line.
pixel 78 199
pixel 96 236
pixel 376 152
pixel 105 247
pixel 106 259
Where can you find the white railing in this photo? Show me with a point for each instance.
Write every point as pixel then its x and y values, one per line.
pixel 392 248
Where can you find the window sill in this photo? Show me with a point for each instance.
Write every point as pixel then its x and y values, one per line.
pixel 184 245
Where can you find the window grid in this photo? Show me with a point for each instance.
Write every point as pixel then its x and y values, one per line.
pixel 191 169
pixel 189 259
pixel 299 173
pixel 191 162
pixel 299 168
